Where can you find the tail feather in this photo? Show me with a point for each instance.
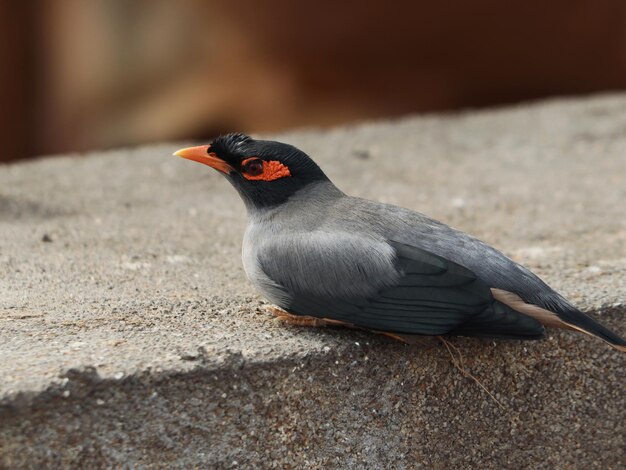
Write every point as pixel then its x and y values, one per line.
pixel 561 315
pixel 584 323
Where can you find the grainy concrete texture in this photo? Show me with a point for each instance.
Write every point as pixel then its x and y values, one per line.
pixel 130 337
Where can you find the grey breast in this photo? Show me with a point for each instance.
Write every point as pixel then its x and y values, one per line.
pixel 307 252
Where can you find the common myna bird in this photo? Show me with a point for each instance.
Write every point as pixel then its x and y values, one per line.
pixel 325 257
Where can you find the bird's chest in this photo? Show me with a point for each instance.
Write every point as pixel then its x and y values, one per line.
pixel 267 234
pixel 249 255
pixel 284 262
pixel 254 242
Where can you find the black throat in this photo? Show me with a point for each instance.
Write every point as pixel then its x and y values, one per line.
pixel 262 194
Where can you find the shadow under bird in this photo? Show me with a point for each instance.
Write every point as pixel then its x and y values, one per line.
pixel 325 257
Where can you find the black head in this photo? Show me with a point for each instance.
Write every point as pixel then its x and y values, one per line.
pixel 265 173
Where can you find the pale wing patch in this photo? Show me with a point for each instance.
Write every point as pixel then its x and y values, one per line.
pixel 545 317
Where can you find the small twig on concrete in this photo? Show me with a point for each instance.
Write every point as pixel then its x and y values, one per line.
pixel 458 363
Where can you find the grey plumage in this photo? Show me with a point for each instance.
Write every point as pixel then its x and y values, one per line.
pixel 315 251
pixel 346 253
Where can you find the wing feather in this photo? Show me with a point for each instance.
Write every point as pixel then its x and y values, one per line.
pixel 429 295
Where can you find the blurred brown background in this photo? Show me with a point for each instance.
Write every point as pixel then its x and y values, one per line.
pixel 79 75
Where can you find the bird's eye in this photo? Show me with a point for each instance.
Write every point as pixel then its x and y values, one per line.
pixel 253 167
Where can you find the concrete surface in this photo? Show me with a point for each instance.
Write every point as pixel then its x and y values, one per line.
pixel 129 336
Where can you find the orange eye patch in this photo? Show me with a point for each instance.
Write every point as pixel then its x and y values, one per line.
pixel 256 169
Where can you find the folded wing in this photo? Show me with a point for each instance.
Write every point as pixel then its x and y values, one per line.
pixel 427 294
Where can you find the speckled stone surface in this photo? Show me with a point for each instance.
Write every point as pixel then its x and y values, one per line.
pixel 130 336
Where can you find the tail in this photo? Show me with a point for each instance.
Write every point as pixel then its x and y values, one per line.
pixel 561 314
pixel 579 321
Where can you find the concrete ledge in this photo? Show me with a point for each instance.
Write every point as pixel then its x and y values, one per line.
pixel 129 335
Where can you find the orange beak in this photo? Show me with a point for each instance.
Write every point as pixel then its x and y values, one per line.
pixel 201 154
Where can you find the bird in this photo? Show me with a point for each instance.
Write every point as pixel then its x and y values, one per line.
pixel 322 257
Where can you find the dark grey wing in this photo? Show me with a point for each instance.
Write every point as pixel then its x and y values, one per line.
pixel 430 295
